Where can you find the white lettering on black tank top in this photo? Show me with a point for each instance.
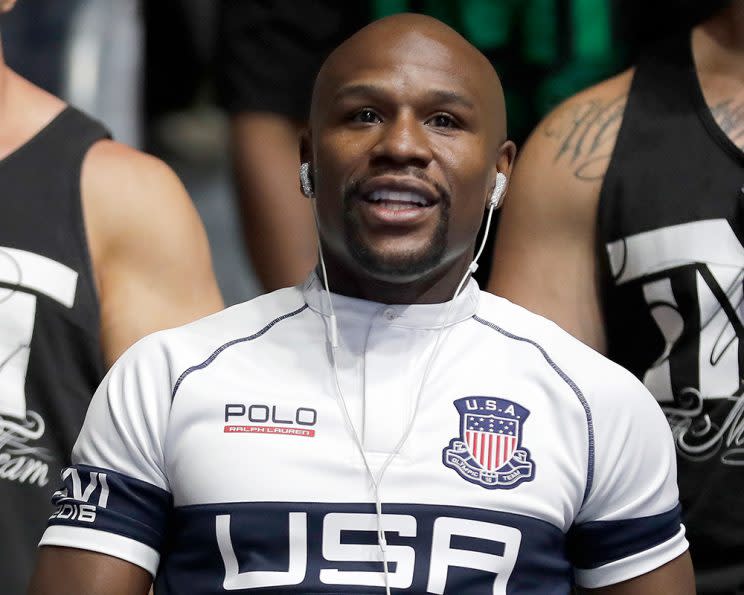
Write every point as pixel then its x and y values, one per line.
pixel 708 258
pixel 22 272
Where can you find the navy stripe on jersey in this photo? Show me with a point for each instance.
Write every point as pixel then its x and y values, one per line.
pixel 309 547
pixel 577 391
pixel 95 498
pixel 597 543
pixel 222 348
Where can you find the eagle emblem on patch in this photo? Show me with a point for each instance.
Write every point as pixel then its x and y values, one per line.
pixel 489 450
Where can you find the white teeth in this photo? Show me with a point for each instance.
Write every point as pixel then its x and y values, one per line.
pixel 396 196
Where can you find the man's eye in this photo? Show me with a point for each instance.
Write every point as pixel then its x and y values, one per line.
pixel 442 121
pixel 366 116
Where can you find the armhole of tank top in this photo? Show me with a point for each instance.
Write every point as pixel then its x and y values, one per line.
pixel 93 133
pixel 703 110
pixel 79 216
pixel 603 261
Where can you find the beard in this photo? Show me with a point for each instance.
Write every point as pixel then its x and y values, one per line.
pixel 403 264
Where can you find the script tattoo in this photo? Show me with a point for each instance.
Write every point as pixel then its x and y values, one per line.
pixel 586 133
pixel 729 114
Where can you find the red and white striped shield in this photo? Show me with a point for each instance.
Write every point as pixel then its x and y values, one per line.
pixel 491 440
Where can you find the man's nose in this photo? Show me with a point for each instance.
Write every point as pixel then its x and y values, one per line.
pixel 404 140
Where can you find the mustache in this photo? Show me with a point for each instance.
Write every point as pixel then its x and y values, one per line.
pixel 353 188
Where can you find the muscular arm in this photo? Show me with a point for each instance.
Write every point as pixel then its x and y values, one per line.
pixel 148 246
pixel 674 578
pixel 545 257
pixel 277 220
pixel 68 571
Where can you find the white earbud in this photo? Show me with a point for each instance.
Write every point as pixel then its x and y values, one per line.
pixel 499 188
pixel 306 183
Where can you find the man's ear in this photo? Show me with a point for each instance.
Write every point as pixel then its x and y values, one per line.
pixel 504 162
pixel 306 146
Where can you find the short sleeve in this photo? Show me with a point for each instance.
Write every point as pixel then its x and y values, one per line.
pixel 115 497
pixel 630 521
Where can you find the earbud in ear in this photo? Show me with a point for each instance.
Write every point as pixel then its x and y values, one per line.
pixel 499 188
pixel 306 182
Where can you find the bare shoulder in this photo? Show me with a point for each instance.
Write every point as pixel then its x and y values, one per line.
pixel 558 175
pixel 125 190
pixel 579 135
pixel 148 246
pixel 544 256
pixel 559 172
pixel 113 169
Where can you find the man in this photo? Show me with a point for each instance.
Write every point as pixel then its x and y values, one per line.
pixel 385 436
pixel 99 245
pixel 624 226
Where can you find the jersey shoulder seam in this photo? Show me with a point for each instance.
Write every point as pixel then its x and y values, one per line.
pixel 229 344
pixel 567 379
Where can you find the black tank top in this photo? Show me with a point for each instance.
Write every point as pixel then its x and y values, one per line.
pixel 50 355
pixel 672 244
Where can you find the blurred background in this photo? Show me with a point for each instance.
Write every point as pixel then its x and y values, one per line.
pixel 172 76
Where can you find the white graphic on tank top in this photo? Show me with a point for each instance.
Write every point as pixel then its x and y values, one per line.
pixel 691 277
pixel 22 273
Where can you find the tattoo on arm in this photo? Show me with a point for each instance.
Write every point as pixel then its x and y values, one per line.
pixel 729 114
pixel 586 133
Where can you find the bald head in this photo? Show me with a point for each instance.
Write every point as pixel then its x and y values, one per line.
pixel 415 40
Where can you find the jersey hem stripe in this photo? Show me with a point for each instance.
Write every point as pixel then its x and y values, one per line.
pixel 222 348
pixel 570 383
pixel 635 565
pixel 102 542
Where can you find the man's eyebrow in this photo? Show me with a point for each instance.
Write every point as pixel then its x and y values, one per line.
pixel 446 96
pixel 358 89
pixel 434 95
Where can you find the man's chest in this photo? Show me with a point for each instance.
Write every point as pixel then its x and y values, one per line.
pixel 482 440
pixel 270 480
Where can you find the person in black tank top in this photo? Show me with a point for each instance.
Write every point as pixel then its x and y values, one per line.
pixel 624 226
pixel 674 239
pixel 99 245
pixel 47 301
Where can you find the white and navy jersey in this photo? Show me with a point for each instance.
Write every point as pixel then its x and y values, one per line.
pixel 217 456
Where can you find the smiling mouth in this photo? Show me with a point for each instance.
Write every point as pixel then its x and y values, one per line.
pixel 398 200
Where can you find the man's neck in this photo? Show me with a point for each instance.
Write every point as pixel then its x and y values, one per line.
pixel 435 288
pixel 24 109
pixel 726 29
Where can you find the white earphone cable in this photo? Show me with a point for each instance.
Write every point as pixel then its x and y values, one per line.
pixel 334 343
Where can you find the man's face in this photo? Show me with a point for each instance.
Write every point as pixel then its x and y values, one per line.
pixel 403 158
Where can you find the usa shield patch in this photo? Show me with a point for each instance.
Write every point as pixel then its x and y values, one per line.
pixel 489 450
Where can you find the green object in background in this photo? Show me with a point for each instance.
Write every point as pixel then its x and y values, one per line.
pixel 444 10
pixel 488 23
pixel 540 32
pixel 592 55
pixel 591 28
pixel 383 8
